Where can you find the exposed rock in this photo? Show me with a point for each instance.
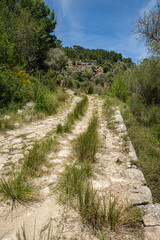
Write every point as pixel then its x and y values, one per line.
pixel 20 111
pixel 32 135
pixel 152 233
pixel 64 153
pixel 52 178
pixel 132 152
pixel 140 195
pixel 45 191
pixel 16 125
pixel 17 157
pixel 134 174
pixel 152 215
pixel 29 104
pixel 6 117
pixel 121 128
pixel 16 141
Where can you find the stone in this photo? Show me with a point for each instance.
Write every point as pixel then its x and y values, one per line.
pixel 29 104
pixel 133 173
pixel 132 152
pixel 52 178
pixel 45 191
pixel 140 195
pixel 121 128
pixel 17 157
pixel 5 151
pixel 152 215
pixel 64 153
pixel 2 138
pixel 16 141
pixel 32 135
pixel 44 169
pixel 152 233
pixel 6 117
pixel 117 119
pixel 16 125
pixel 20 111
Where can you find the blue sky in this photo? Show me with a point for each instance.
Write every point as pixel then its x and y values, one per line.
pixel 106 24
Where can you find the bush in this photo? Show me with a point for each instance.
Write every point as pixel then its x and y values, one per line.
pixel 45 101
pixel 118 88
pixel 49 79
pixel 12 90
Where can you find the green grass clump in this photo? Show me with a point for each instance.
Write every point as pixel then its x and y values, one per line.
pixel 71 118
pixel 17 189
pixel 91 207
pixel 86 145
pixel 119 215
pixel 45 233
pixel 72 180
pixel 37 157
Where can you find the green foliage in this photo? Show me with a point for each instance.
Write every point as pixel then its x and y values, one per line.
pixel 118 88
pixel 148 27
pixel 86 144
pixel 147 146
pixel 94 54
pixel 26 32
pixel 12 90
pixel 56 59
pixel 46 101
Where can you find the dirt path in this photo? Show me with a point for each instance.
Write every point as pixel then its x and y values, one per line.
pixel 114 174
pixel 48 208
pixel 15 143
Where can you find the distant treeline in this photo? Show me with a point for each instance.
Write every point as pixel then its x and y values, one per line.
pixel 100 55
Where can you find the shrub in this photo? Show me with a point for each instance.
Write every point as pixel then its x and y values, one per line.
pixel 118 88
pixel 45 101
pixel 13 90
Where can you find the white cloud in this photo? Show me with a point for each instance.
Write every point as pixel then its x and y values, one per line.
pixel 151 4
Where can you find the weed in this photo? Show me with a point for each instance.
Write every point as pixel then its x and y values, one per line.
pixel 78 111
pixel 37 156
pixel 118 161
pixel 91 207
pixel 59 128
pixel 72 179
pixel 86 145
pixel 17 189
pixel 45 233
pixel 119 215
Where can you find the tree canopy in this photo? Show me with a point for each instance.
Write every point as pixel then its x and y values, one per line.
pixel 26 32
pixel 148 28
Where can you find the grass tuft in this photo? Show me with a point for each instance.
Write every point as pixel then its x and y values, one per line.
pixel 17 189
pixel 86 145
pixel 91 207
pixel 78 111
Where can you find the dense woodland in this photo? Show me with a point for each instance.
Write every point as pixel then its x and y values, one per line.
pixel 33 65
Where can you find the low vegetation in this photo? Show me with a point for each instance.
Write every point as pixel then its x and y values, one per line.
pixel 86 145
pixel 45 233
pixel 73 116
